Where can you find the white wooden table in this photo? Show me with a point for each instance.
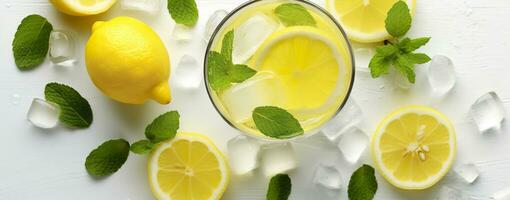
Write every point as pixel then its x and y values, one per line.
pixel 49 164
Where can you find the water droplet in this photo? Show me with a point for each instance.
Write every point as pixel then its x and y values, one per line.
pixel 15 99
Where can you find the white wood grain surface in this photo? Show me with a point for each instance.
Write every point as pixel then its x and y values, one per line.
pixel 49 164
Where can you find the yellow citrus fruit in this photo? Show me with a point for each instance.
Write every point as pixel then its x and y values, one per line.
pixel 363 20
pixel 188 167
pixel 128 61
pixel 82 7
pixel 414 147
pixel 306 61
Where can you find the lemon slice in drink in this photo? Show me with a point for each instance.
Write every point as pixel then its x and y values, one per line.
pixel 306 61
pixel 188 167
pixel 82 7
pixel 363 20
pixel 414 147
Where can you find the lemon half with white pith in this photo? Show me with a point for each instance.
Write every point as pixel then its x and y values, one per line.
pixel 414 147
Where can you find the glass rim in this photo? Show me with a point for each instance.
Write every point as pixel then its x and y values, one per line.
pixel 313 131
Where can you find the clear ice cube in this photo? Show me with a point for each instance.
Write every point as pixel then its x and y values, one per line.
pixel 362 57
pixel 441 74
pixel 263 89
pixel 243 154
pixel 488 112
pixel 151 7
pixel 353 143
pixel 188 73
pixel 213 21
pixel 250 35
pixel 181 33
pixel 277 158
pixel 449 193
pixel 43 114
pixel 350 115
pixel 468 172
pixel 62 46
pixel 327 176
pixel 503 194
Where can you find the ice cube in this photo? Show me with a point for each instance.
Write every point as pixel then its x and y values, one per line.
pixel 263 89
pixel 441 74
pixel 449 193
pixel 362 58
pixel 181 33
pixel 469 172
pixel 503 194
pixel 277 158
pixel 243 154
pixel 327 176
pixel 151 7
pixel 250 35
pixel 488 112
pixel 350 115
pixel 188 73
pixel 43 114
pixel 353 143
pixel 62 46
pixel 213 21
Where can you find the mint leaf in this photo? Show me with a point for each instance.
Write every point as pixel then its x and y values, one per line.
pixel 183 11
pixel 31 41
pixel 398 20
pixel 415 44
pixel 382 60
pixel 386 50
pixel 417 58
pixel 405 67
pixel 142 147
pixel 107 158
pixel 363 184
pixel 239 73
pixel 163 127
pixel 292 14
pixel 217 71
pixel 227 45
pixel 75 110
pixel 279 187
pixel 276 122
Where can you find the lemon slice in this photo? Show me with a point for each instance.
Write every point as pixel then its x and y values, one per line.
pixel 188 167
pixel 307 62
pixel 363 20
pixel 414 147
pixel 83 7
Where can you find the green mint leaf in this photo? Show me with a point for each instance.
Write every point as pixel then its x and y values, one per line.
pixel 415 44
pixel 279 187
pixel 276 122
pixel 239 73
pixel 386 50
pixel 292 14
pixel 163 127
pixel 381 62
pixel 405 67
pixel 142 147
pixel 107 158
pixel 217 71
pixel 31 41
pixel 183 11
pixel 363 184
pixel 417 58
pixel 398 20
pixel 227 46
pixel 75 110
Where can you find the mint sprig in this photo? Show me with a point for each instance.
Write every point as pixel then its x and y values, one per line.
pixel 363 184
pixel 107 158
pixel 31 42
pixel 183 11
pixel 293 14
pixel 279 187
pixel 398 52
pixel 142 147
pixel 164 127
pixel 75 110
pixel 221 71
pixel 276 122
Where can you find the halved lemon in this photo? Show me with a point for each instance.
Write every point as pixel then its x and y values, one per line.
pixel 83 7
pixel 188 167
pixel 363 20
pixel 414 147
pixel 306 60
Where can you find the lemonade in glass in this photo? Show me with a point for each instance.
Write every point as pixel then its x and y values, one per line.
pixel 289 54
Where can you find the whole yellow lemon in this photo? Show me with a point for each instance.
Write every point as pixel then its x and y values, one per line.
pixel 128 61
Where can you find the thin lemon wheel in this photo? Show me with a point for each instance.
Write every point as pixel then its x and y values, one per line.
pixel 363 20
pixel 414 147
pixel 83 7
pixel 307 62
pixel 188 167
